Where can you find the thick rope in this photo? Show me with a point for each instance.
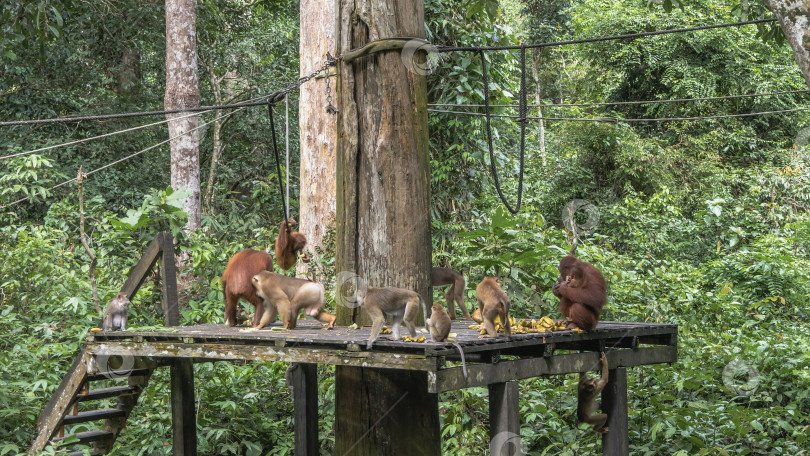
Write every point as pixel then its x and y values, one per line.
pixel 522 120
pixel 278 162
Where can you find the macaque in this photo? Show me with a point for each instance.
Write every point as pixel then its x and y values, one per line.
pixel 476 315
pixel 236 283
pixel 582 291
pixel 286 296
pixel 401 304
pixel 587 404
pixel 115 317
pixel 438 323
pixel 289 244
pixel 455 294
pixel 492 302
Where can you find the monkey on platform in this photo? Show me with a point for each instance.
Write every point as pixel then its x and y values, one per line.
pixel 438 323
pixel 115 317
pixel 286 296
pixel 587 403
pixel 455 294
pixel 582 291
pixel 237 283
pixel 493 302
pixel 401 304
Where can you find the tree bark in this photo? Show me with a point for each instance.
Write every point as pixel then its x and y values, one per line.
pixel 383 217
pixel 318 130
pixel 182 91
pixel 794 17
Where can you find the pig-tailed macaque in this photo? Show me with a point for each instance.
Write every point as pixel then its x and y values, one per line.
pixel 455 294
pixel 439 323
pixel 115 317
pixel 586 392
pixel 493 302
pixel 286 296
pixel 401 304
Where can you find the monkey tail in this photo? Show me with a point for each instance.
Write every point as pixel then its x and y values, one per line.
pixel 424 311
pixel 463 360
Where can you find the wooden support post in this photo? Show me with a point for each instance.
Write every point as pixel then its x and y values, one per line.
pixel 385 411
pixel 168 279
pixel 504 420
pixel 616 442
pixel 304 383
pixel 184 419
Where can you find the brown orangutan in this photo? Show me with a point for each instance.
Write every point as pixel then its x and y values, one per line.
pixel 582 291
pixel 236 283
pixel 289 244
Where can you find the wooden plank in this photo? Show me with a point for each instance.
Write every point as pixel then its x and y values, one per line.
pixel 141 270
pixel 304 383
pixel 504 420
pixel 184 416
pixel 168 280
pixel 506 370
pixel 93 415
pixel 61 400
pixel 385 412
pixel 616 442
pixel 231 352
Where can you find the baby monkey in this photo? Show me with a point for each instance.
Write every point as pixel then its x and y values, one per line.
pixel 587 391
pixel 439 323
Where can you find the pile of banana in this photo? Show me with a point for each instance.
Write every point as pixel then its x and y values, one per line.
pixel 419 339
pixel 524 326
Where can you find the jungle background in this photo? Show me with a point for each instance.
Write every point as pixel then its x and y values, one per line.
pixel 702 223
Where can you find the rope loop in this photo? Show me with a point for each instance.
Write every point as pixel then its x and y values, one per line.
pixel 522 133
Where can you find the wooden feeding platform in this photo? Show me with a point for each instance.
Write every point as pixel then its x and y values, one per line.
pixel 488 360
pixel 386 398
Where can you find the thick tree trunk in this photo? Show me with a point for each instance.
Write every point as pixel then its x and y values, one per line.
pixel 383 218
pixel 794 17
pixel 182 91
pixel 318 130
pixel 129 74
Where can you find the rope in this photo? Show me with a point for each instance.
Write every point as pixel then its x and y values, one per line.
pixel 270 98
pixel 618 120
pixel 522 131
pixel 674 100
pixel 126 158
pixel 278 162
pixel 287 146
pixel 597 39
pixel 79 141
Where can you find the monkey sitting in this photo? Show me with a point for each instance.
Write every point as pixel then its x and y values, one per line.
pixel 582 291
pixel 115 317
pixel 401 304
pixel 493 302
pixel 439 323
pixel 286 296
pixel 587 403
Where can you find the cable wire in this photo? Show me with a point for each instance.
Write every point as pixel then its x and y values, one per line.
pixel 618 120
pixel 597 39
pixel 79 141
pixel 674 100
pixel 127 157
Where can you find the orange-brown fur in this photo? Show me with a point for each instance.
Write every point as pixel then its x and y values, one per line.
pixel 236 283
pixel 288 244
pixel 582 291
pixel 493 302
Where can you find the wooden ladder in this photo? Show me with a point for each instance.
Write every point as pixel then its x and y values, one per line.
pixel 62 411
